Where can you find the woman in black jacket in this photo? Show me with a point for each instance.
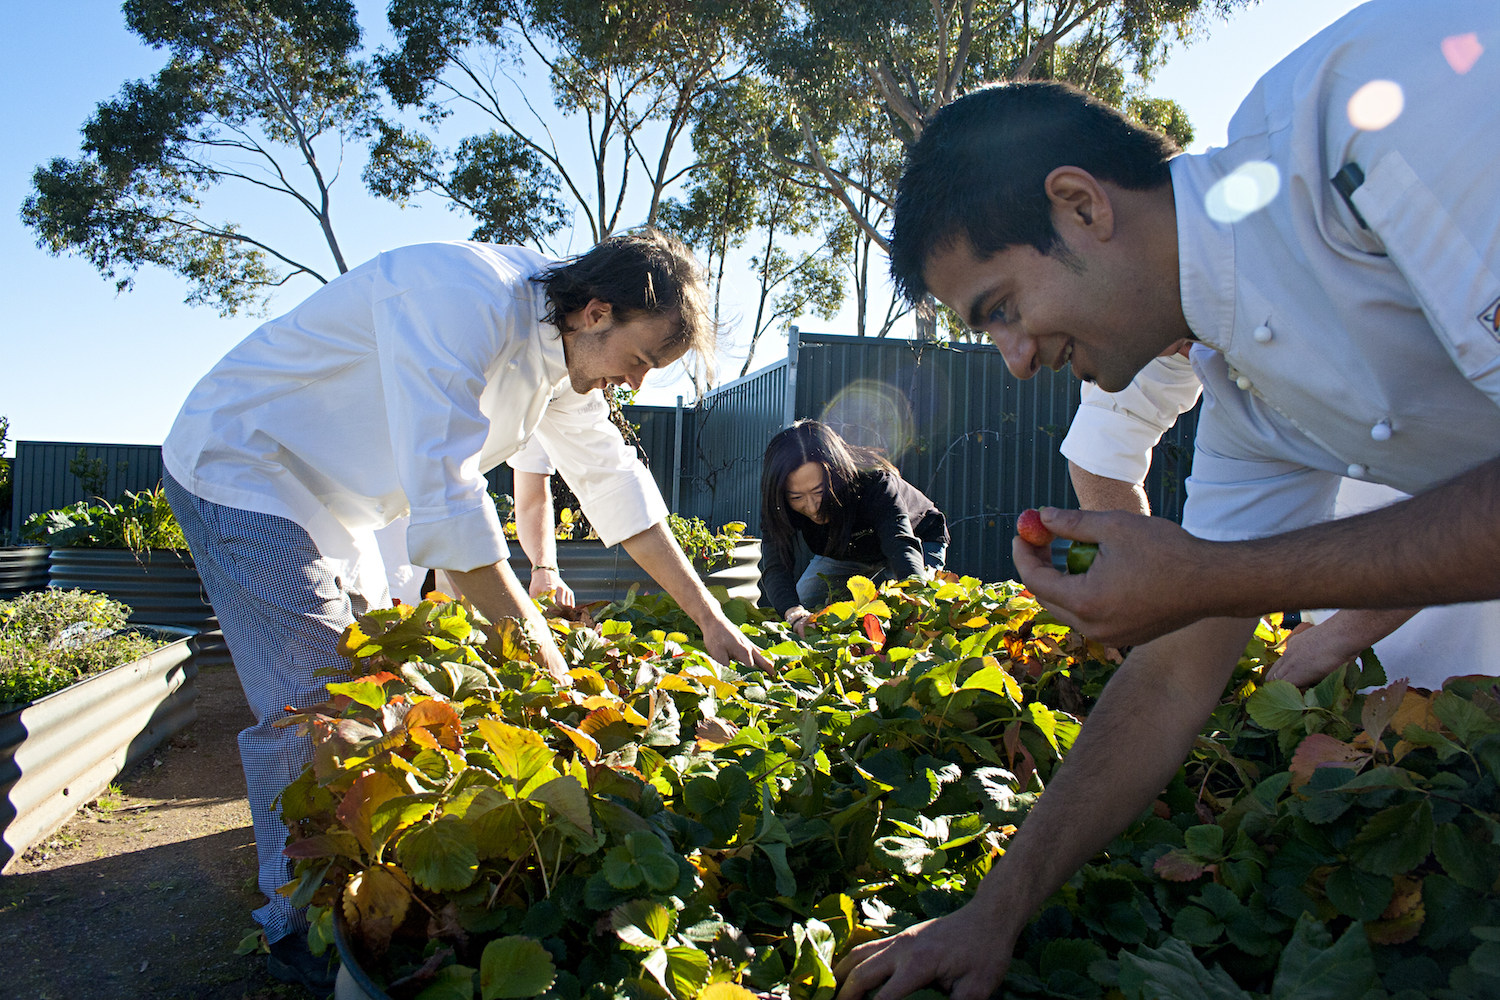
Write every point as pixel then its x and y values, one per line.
pixel 851 506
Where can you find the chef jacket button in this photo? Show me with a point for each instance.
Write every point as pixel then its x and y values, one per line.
pixel 380 508
pixel 1242 382
pixel 1262 334
pixel 1357 471
pixel 514 365
pixel 1381 431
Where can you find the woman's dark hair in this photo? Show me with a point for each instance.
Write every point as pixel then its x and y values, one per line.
pixel 641 273
pixel 842 463
pixel 979 171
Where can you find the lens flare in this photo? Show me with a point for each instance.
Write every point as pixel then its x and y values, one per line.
pixel 1249 188
pixel 1376 105
pixel 1462 52
pixel 873 414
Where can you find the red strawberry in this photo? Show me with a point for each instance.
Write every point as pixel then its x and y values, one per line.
pixel 1029 526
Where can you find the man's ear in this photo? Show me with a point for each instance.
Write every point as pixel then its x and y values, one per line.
pixel 1079 203
pixel 595 312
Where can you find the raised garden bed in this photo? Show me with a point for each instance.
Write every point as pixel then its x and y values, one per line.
pixel 63 750
pixel 23 568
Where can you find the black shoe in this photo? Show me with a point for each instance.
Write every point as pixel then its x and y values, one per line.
pixel 291 962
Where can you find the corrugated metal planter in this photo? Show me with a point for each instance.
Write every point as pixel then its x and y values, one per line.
pixel 597 573
pixel 22 568
pixel 63 750
pixel 161 586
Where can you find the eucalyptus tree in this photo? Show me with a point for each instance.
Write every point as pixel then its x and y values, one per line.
pixel 625 79
pixel 842 66
pixel 261 94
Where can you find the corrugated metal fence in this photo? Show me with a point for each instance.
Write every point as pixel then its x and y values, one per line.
pixel 980 442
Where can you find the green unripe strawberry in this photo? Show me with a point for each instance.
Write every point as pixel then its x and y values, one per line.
pixel 1081 556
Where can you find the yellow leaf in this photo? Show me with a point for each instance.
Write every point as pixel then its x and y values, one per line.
pixel 352 641
pixel 436 597
pixel 519 752
pixel 512 640
pixel 588 680
pixel 725 991
pixel 600 701
pixel 600 718
pixel 585 743
pixel 675 682
pixel 375 903
pixel 861 589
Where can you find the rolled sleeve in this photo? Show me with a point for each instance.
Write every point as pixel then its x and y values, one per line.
pixel 532 458
pixel 618 495
pixel 432 379
pixel 1113 432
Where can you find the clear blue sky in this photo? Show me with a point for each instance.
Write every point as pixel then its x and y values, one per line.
pixel 78 363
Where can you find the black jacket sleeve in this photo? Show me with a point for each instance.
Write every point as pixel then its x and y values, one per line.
pixel 776 579
pixel 887 513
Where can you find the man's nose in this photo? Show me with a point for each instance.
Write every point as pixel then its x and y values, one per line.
pixel 1019 351
pixel 635 379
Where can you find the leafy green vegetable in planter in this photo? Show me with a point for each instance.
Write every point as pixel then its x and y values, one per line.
pixel 139 522
pixel 667 828
pixel 53 638
pixel 711 548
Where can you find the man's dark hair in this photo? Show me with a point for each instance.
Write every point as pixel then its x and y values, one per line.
pixel 979 169
pixel 642 273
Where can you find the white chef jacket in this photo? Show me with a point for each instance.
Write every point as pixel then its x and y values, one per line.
pixel 390 391
pixel 1387 328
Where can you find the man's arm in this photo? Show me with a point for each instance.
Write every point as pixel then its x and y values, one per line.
pixel 496 592
pixel 658 553
pixel 1151 577
pixel 1133 742
pixel 537 537
pixel 1315 651
pixel 1102 493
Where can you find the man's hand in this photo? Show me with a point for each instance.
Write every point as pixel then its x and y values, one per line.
pixel 1144 583
pixel 962 953
pixel 1315 651
pixel 496 592
pixel 546 580
pixel 727 644
pixel 799 618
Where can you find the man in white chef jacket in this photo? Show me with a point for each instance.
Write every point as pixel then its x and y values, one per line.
pixel 1339 261
pixel 388 393
pixel 1108 448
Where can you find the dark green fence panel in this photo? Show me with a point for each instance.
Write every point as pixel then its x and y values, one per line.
pixel 722 455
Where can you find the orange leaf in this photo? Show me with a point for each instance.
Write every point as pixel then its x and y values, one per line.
pixel 873 631
pixel 439 716
pixel 1321 750
pixel 360 802
pixel 1177 866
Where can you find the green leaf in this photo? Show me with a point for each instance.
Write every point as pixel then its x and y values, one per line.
pixel 565 797
pixel 1276 705
pixel 1394 840
pixel 1485 959
pixel 1205 841
pixel 1173 972
pixel 1359 894
pixel 717 800
pixel 1314 968
pixel 1197 926
pixel 452 982
pixel 366 693
pixel 1472 864
pixel 682 970
pixel 992 678
pixel 515 967
pixel 641 860
pixel 1042 716
pixel 442 856
pixel 1463 718
pixel 643 924
pixel 786 882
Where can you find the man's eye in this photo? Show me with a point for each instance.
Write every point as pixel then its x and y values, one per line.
pixel 997 314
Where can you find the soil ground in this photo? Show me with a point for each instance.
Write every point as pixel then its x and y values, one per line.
pixel 146 894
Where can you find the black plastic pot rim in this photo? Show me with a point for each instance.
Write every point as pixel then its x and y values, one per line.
pixel 348 958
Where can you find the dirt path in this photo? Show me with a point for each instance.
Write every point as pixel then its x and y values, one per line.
pixel 146 894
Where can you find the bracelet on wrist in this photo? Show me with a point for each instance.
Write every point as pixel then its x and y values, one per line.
pixel 553 569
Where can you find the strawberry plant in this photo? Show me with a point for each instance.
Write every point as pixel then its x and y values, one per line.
pixel 664 828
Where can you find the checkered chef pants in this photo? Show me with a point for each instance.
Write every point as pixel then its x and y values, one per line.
pixel 282 609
